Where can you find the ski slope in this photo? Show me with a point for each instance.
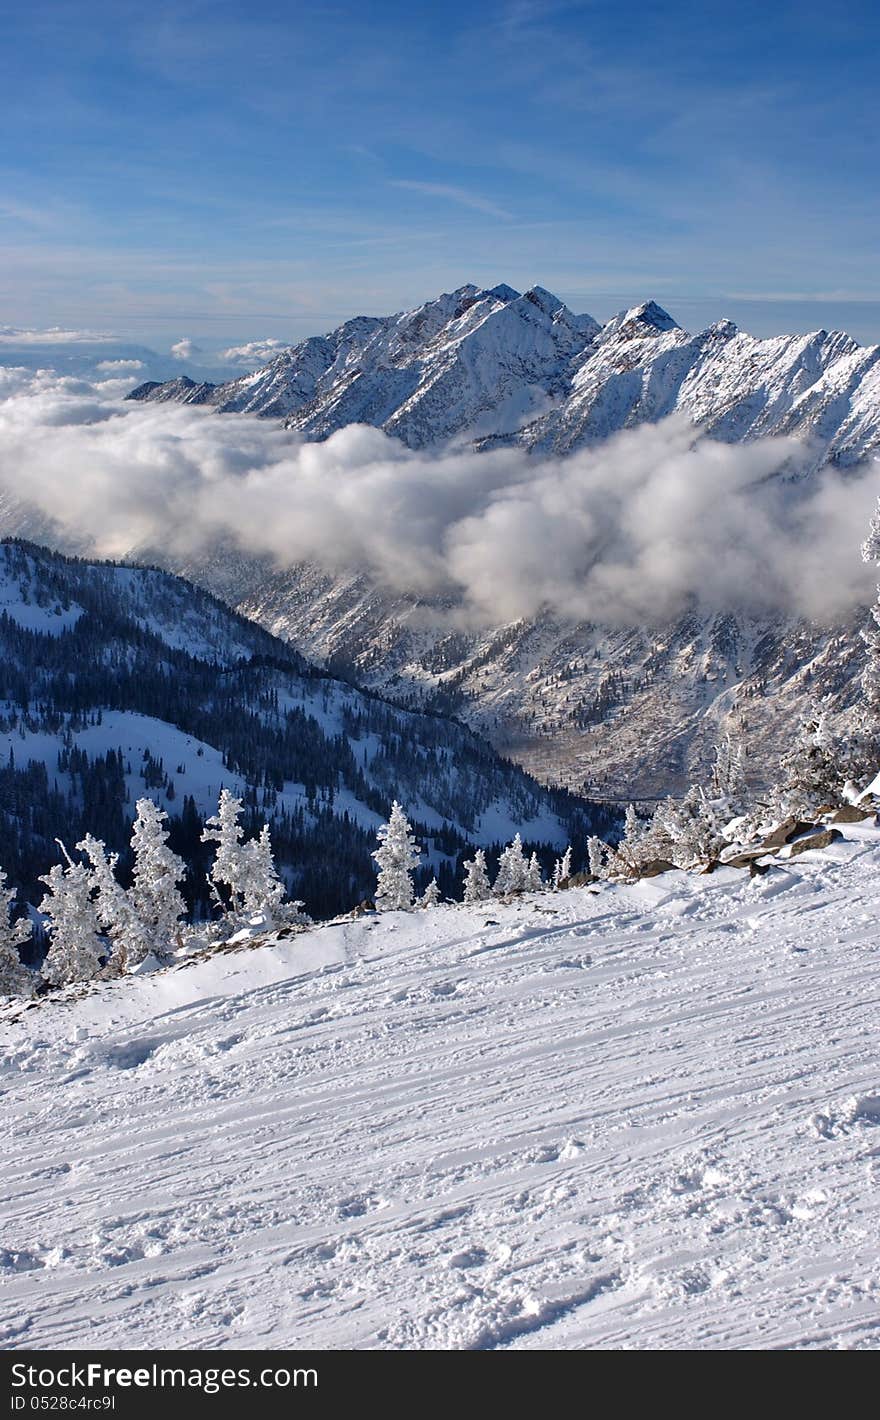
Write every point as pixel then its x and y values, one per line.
pixel 641 1116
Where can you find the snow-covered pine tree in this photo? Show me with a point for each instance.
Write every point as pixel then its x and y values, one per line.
pixel 230 871
pixel 813 770
pixel 596 854
pixel 396 857
pixel 431 896
pixel 75 945
pixel 871 633
pixel 562 869
pixel 534 877
pixel 513 867
pixel 476 879
pixel 687 831
pixel 129 942
pixel 727 785
pixel 262 887
pixel 157 872
pixel 263 890
pixel 15 978
pixel 629 850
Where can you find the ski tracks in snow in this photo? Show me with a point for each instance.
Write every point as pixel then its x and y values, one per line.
pixel 643 1117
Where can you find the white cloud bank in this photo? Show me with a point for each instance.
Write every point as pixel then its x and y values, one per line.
pixel 623 534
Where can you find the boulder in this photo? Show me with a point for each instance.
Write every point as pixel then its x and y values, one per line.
pixel 852 813
pixel 654 867
pixel 787 830
pixel 815 840
pixel 744 858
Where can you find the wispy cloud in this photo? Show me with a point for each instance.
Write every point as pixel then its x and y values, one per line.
pixel 254 352
pixel 459 195
pixel 185 349
pixel 55 335
pixel 27 214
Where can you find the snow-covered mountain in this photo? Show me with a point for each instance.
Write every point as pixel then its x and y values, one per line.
pixel 497 366
pixel 641 1116
pixel 616 713
pixel 117 681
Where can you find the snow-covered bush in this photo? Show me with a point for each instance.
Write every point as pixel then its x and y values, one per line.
pixel 871 634
pixel 396 857
pixel 597 852
pixel 15 978
pixel 534 877
pixel 127 937
pixel 562 869
pixel 76 948
pixel 813 770
pixel 431 896
pixel 687 831
pixel 476 879
pixel 244 879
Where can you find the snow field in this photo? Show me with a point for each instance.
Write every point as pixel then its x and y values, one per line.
pixel 634 1117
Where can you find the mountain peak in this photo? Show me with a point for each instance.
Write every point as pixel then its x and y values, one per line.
pixel 543 299
pixel 649 313
pixel 503 292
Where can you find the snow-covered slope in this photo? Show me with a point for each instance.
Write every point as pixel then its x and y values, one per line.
pixel 644 1116
pixel 117 681
pixel 614 712
pixel 471 361
pixel 497 366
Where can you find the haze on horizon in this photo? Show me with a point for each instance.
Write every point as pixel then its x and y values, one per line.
pixel 221 174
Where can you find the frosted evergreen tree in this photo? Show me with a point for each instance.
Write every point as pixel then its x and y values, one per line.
pixel 157 872
pixel 262 886
pixel 633 828
pixel 562 869
pixel 431 896
pixel 263 889
pixel 231 869
pixel 534 880
pixel 687 831
pixel 476 879
pixel 727 786
pixel 15 978
pixel 75 945
pixel 513 868
pixel 813 770
pixel 114 908
pixel 630 849
pixel 596 855
pixel 396 857
pixel 871 634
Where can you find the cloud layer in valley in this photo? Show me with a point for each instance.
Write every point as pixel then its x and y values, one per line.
pixel 624 534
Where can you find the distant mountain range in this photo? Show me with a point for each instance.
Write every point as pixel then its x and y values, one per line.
pixel 498 367
pixel 631 712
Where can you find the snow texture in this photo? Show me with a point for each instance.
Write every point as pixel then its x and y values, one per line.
pixel 639 1116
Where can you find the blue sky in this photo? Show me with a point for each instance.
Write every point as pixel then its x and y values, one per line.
pixel 227 171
